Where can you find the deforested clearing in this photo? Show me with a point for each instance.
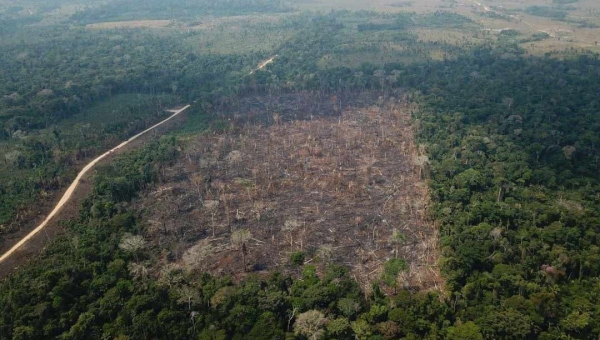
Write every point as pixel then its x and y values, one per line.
pixel 344 187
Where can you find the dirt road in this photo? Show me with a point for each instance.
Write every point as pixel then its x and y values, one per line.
pixel 264 64
pixel 76 182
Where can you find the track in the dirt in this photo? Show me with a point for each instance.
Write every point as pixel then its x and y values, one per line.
pixel 76 182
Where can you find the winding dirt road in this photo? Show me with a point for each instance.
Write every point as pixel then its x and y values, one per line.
pixel 76 182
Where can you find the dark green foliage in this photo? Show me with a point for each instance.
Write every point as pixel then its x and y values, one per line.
pixel 399 22
pixel 539 36
pixel 391 269
pixel 467 331
pixel 297 258
pixel 564 2
pixel 441 19
pixel 404 20
pixel 268 326
pixel 547 12
pixel 514 173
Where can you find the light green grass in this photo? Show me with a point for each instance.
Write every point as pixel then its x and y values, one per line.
pixel 237 40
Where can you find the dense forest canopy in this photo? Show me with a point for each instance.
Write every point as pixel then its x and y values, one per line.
pixel 510 143
pixel 53 74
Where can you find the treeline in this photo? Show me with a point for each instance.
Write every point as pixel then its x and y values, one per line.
pixel 547 12
pixel 515 181
pixel 401 21
pixel 121 10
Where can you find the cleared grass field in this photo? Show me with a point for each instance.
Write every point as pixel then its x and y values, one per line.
pixel 266 32
pixel 237 39
pixel 419 6
pixel 580 29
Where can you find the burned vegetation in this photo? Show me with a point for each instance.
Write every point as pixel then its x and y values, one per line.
pixel 341 186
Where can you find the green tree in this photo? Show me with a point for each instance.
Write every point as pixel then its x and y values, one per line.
pixel 391 270
pixel 339 328
pixel 466 331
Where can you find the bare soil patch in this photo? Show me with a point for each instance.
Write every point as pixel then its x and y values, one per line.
pixel 334 187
